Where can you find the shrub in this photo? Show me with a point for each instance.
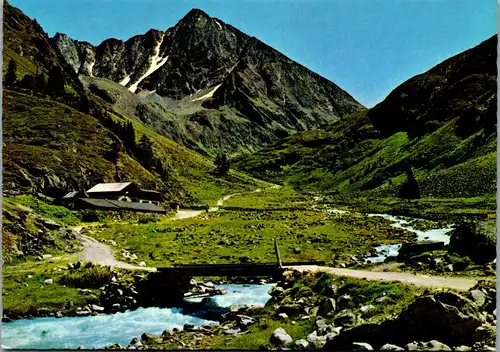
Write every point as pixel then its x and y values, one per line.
pixel 88 277
pixel 148 219
pixel 459 263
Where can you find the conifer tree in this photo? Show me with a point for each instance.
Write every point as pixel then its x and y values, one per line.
pixel 222 164
pixel 55 84
pixel 145 152
pixel 409 189
pixel 11 74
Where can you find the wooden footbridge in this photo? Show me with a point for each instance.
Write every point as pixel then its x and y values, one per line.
pixel 232 270
pixel 172 282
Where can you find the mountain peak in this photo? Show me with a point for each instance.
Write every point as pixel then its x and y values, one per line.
pixel 196 13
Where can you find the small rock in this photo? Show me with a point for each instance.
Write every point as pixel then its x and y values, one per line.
pixel 385 300
pixel 367 310
pixel 244 321
pixel 361 346
pixel 313 311
pixel 233 331
pixel 449 268
pixel 85 291
pixel 142 264
pixel 484 332
pixel 326 307
pixel 48 282
pixel 390 347
pixel 83 313
pixel 427 346
pixel 281 338
pixel 115 346
pixel 296 250
pixel 277 291
pixel 301 344
pixel 479 297
pixel 317 341
pixel 96 308
pixel 345 317
pixel 135 342
pixel 283 316
pixel 149 338
pixel 345 302
pixel 291 309
pixel 46 256
pixel 463 348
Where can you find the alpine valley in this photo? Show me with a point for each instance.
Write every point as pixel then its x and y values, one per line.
pixel 346 228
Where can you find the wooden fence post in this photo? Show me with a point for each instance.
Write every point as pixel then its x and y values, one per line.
pixel 277 253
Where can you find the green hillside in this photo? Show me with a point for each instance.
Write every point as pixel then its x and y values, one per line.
pixel 442 123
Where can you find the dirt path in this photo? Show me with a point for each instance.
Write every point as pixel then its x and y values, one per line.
pixel 101 254
pixel 458 283
pixel 185 214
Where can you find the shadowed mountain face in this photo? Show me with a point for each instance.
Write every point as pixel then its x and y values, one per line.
pixel 70 138
pixel 221 88
pixel 441 122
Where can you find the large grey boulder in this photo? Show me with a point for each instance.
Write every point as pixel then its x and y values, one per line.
pixel 475 241
pixel 445 316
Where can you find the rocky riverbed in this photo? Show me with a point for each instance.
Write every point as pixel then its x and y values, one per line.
pixel 340 315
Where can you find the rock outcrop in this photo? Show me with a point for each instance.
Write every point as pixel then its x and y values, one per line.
pixel 475 241
pixel 444 318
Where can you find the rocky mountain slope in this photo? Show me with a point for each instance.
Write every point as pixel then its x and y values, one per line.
pixel 442 123
pixel 71 138
pixel 209 86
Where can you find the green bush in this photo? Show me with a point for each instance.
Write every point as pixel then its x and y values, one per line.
pixel 459 263
pixel 148 219
pixel 88 277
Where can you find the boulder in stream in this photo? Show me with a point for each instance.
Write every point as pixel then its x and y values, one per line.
pixel 413 248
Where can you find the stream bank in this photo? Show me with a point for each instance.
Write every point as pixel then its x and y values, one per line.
pixel 119 328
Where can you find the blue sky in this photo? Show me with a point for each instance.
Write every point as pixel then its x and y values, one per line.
pixel 367 47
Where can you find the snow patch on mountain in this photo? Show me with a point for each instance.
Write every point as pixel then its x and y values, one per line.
pixel 209 94
pixel 125 81
pixel 91 67
pixel 156 63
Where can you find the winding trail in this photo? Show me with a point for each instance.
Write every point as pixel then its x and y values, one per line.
pixel 185 214
pixel 457 283
pixel 100 253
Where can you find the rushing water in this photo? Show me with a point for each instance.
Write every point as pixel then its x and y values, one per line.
pixel 391 250
pixel 104 330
